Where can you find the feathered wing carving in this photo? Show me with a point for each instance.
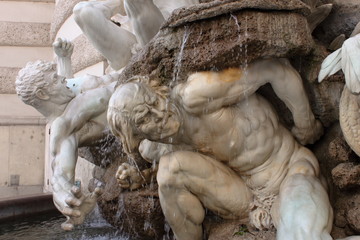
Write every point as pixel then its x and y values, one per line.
pixel 350 63
pixel 347 58
pixel 330 65
pixel 349 118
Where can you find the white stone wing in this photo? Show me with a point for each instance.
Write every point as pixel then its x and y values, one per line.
pixel 330 65
pixel 346 58
pixel 350 63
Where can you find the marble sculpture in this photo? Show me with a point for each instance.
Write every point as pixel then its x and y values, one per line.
pixel 215 142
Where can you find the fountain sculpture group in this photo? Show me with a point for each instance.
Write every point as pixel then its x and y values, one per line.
pixel 190 106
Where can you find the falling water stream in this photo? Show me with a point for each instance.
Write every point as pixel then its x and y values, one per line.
pixel 177 66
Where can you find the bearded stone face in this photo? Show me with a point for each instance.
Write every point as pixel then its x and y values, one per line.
pixel 136 112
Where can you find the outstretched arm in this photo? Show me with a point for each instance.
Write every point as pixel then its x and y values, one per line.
pixel 68 198
pixel 63 50
pixel 288 86
pixel 214 90
pixel 64 141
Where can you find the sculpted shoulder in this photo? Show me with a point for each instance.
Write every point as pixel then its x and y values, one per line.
pixel 92 102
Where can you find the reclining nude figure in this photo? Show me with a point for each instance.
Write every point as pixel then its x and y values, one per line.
pixel 77 114
pixel 116 43
pixel 244 163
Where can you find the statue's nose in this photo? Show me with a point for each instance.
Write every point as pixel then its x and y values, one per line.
pixel 159 115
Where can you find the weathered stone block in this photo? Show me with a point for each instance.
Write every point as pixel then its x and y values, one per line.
pixel 346 175
pixel 24 34
pixel 220 38
pixel 7 80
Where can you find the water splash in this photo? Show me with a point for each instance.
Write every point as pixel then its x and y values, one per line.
pixel 178 63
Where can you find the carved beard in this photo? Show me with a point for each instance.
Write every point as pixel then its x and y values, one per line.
pixel 172 128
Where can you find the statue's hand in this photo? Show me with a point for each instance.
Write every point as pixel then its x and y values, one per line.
pixel 308 135
pixel 129 177
pixel 79 206
pixel 63 48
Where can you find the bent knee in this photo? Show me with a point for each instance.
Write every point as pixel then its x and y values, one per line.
pixel 171 165
pixel 80 7
pixel 303 167
pixel 305 164
pixel 85 12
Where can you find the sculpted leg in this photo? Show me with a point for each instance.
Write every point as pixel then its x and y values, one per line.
pixel 303 211
pixel 112 41
pixel 190 181
pixel 145 18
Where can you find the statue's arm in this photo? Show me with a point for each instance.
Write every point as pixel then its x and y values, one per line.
pixel 211 91
pixel 64 142
pixel 68 198
pixel 288 86
pixel 79 111
pixel 63 166
pixel 63 50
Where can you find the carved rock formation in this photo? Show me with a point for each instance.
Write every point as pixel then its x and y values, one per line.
pixel 137 213
pixel 346 175
pixel 223 34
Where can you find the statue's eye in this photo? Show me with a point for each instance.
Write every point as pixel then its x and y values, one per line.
pixel 146 119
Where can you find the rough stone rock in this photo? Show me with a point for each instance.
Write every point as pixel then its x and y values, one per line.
pixel 235 230
pixel 342 20
pixel 346 175
pixel 229 39
pixel 353 217
pixel 338 149
pixel 328 160
pixel 340 220
pixel 215 8
pixel 137 213
pixel 102 152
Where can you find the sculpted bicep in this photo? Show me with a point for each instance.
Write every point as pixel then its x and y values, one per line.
pixel 213 90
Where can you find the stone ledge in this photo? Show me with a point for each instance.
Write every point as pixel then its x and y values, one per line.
pixel 15 112
pixel 9 193
pixel 42 1
pixel 7 79
pixel 28 205
pixel 24 34
pixel 24 11
pixel 12 121
pixel 19 56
